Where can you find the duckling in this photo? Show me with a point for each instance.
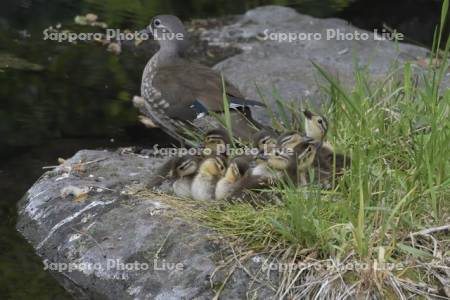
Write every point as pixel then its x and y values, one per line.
pixel 204 183
pixel 286 150
pixel 264 141
pixel 162 173
pixel 305 153
pixel 216 142
pixel 316 127
pixel 235 177
pixel 283 165
pixel 293 163
pixel 330 162
pixel 184 170
pixel 262 168
pixel 291 139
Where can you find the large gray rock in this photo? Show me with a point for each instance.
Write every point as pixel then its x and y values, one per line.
pixel 267 64
pixel 114 228
pixel 113 223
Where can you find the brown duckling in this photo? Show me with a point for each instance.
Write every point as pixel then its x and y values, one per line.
pixel 305 155
pixel 204 183
pixel 265 141
pixel 235 177
pixel 184 171
pixel 327 159
pixel 291 139
pixel 282 163
pixel 292 164
pixel 216 142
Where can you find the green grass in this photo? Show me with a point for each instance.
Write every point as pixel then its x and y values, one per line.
pixel 397 131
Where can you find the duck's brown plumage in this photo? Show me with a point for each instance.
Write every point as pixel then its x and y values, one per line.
pixel 176 90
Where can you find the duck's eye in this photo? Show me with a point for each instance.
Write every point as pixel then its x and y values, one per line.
pixel 320 121
pixel 157 22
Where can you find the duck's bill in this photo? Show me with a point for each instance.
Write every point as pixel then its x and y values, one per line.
pixel 143 35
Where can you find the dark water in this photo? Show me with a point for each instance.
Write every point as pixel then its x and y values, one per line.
pixel 80 97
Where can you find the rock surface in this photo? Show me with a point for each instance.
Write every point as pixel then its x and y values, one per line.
pixel 286 67
pixel 120 245
pixel 112 224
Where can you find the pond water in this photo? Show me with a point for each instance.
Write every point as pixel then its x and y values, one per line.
pixel 59 98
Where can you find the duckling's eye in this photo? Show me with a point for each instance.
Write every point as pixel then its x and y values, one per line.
pixel 265 140
pixel 184 166
pixel 157 22
pixel 220 165
pixel 320 121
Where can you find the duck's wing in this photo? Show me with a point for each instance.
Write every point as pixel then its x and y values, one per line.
pixel 183 91
pixel 193 86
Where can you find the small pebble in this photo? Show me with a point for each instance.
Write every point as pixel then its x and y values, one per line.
pixel 114 48
pixel 91 17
